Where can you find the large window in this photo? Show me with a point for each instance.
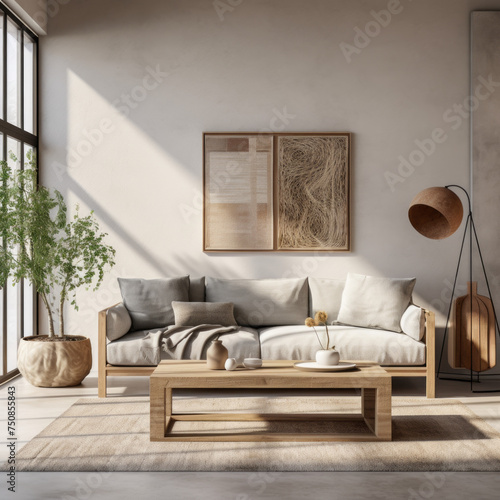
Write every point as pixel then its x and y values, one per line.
pixel 19 135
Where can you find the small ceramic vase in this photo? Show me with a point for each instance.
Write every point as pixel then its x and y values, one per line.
pixel 216 355
pixel 329 357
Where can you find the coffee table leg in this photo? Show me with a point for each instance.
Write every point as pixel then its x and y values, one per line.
pixel 160 409
pixel 376 410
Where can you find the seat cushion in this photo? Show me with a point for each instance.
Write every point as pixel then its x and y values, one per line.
pixel 262 302
pixel 142 348
pixel 299 342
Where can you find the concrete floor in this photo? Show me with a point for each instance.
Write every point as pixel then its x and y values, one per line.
pixel 37 407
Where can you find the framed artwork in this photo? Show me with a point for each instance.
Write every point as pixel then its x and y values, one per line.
pixel 276 192
pixel 238 192
pixel 313 192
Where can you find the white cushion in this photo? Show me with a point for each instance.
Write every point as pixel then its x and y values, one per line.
pixel 325 295
pixel 299 342
pixel 413 322
pixel 118 322
pixel 373 302
pixel 262 302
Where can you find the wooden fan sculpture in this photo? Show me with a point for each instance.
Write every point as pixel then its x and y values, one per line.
pixel 476 333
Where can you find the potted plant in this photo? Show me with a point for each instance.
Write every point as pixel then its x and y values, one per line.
pixel 57 257
pixel 326 356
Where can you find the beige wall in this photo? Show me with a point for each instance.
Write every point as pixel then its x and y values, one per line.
pixel 237 70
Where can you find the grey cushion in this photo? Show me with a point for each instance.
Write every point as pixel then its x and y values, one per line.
pixel 142 348
pixel 204 313
pixel 374 302
pixel 197 289
pixel 262 302
pixel 299 342
pixel 118 322
pixel 149 302
pixel 413 322
pixel 325 295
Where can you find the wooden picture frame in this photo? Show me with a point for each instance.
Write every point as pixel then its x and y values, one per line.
pixel 276 192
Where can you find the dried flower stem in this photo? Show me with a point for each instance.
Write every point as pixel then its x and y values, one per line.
pixel 327 337
pixel 320 343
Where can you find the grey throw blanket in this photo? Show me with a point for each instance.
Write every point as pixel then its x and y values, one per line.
pixel 192 342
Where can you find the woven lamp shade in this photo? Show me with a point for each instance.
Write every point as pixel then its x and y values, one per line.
pixel 436 212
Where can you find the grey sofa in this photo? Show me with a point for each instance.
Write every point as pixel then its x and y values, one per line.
pixel 270 314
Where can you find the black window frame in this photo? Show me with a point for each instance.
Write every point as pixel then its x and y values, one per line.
pixel 25 138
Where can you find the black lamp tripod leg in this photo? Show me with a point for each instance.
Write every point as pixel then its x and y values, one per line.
pixel 471 321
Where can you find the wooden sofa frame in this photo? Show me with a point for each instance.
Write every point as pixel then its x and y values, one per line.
pixel 106 370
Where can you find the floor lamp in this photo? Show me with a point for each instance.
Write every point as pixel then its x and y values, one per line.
pixel 437 213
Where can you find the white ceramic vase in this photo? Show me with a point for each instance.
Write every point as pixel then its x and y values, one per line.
pixel 329 357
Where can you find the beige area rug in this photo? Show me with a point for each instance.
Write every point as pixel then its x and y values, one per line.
pixel 113 435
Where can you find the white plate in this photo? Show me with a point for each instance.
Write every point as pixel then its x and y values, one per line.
pixel 314 367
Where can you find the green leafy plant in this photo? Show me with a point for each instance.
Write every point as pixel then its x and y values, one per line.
pixel 40 245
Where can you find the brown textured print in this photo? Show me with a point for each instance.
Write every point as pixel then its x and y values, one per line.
pixel 313 182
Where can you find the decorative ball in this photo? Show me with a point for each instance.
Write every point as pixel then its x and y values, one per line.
pixel 231 364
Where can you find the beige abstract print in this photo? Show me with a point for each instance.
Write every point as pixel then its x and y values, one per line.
pixel 238 193
pixel 313 183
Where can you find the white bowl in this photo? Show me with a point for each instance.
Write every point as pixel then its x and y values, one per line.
pixel 252 363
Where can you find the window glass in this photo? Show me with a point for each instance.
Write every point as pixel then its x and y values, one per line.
pixel 1 331
pixel 1 64
pixel 28 292
pixel 13 331
pixel 13 73
pixel 13 146
pixel 18 107
pixel 29 84
pixel 29 296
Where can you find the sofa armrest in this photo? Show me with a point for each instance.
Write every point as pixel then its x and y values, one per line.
pixel 103 327
pixel 101 350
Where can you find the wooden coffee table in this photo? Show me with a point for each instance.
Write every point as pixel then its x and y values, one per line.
pixel 370 378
